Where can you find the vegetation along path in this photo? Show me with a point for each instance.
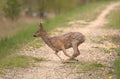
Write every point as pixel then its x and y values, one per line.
pixel 95 61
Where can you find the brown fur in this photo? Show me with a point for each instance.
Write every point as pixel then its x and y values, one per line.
pixel 63 42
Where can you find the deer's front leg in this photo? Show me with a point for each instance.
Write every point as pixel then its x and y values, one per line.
pixel 56 53
pixel 64 51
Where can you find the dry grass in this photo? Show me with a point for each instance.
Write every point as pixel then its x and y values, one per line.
pixel 9 28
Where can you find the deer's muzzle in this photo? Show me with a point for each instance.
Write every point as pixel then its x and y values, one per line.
pixel 34 36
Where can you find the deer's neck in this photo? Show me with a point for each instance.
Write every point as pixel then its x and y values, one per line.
pixel 46 39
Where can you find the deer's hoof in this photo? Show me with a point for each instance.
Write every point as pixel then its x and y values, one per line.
pixel 65 61
pixel 72 59
pixel 75 60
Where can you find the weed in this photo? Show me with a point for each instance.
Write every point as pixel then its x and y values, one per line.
pixel 84 66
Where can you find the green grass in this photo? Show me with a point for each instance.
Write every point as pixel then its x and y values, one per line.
pixel 18 61
pixel 114 19
pixel 117 67
pixel 118 51
pixel 87 13
pixel 92 66
pixel 85 66
pixel 9 45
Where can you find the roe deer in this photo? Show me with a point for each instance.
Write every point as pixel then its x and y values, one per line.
pixel 63 42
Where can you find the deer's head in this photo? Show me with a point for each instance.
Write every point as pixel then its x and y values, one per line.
pixel 39 32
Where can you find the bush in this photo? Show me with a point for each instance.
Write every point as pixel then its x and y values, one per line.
pixel 12 9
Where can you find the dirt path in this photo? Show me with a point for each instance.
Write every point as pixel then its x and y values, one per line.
pixel 54 69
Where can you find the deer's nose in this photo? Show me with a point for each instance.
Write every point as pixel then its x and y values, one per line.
pixel 34 35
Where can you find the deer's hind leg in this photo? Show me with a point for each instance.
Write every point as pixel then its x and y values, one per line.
pixel 76 50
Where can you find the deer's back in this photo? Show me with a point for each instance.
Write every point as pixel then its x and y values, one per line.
pixel 66 40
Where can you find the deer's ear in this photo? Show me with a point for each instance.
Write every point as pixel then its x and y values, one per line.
pixel 41 25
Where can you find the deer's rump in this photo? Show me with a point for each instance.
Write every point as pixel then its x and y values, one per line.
pixel 68 39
